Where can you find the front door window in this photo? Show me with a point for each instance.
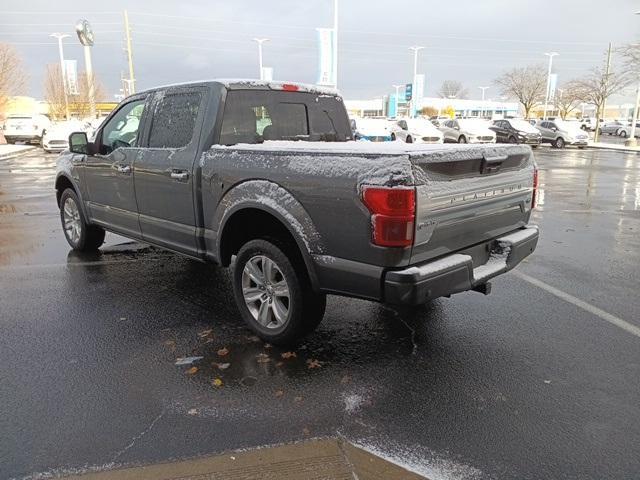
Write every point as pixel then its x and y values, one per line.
pixel 122 129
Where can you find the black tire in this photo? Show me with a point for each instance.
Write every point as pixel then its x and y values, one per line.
pixel 462 139
pixel 559 142
pixel 90 236
pixel 305 308
pixel 535 146
pixel 513 140
pixel 409 139
pixel 393 137
pixel 623 134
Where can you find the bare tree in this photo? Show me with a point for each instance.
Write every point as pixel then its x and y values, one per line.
pixel 597 86
pixel 568 98
pixel 13 77
pixel 54 91
pixel 428 111
pixel 452 89
pixel 82 101
pixel 527 84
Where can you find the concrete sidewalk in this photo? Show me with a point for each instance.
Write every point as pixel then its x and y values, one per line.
pixel 613 146
pixel 313 460
pixel 9 150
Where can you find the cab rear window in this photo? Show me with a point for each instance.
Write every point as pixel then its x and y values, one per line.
pixel 255 116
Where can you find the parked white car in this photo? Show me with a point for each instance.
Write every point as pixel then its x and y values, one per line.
pixel 372 129
pixel 56 137
pixel 469 130
pixel 25 128
pixel 415 130
pixel 625 130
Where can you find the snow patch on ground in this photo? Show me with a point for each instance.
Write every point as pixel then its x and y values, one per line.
pixel 353 402
pixel 419 460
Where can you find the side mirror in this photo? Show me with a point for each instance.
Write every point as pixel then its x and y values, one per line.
pixel 78 143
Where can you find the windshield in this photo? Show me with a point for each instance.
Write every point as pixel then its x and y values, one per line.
pixel 420 125
pixel 473 124
pixel 523 126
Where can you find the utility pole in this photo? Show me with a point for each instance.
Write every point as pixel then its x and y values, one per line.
pixel 260 41
pixel 607 73
pixel 482 109
pixel 548 91
pixel 631 141
pixel 335 43
pixel 63 73
pixel 415 50
pixel 132 79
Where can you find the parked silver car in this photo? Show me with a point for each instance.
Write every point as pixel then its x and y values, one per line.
pixel 560 133
pixel 611 128
pixel 625 130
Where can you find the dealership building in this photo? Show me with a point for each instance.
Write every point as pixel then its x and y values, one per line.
pixel 383 106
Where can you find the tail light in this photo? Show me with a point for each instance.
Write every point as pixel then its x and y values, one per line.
pixel 534 195
pixel 393 212
pixel 289 87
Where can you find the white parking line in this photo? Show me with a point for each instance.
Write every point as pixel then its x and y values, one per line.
pixel 606 316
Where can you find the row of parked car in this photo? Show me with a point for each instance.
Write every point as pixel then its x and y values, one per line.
pixel 38 129
pixel 558 133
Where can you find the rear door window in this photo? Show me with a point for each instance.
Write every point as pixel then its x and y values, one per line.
pixel 174 120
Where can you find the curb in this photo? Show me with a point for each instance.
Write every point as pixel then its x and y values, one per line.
pixel 19 153
pixel 615 148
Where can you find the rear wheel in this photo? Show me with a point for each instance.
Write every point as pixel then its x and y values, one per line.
pixel 623 133
pixel 393 137
pixel 409 139
pixel 79 234
pixel 274 294
pixel 513 140
pixel 462 139
pixel 559 142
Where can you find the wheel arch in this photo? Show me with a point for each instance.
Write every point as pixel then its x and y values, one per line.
pixel 258 209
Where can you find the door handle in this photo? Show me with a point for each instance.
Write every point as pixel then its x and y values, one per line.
pixel 123 168
pixel 179 174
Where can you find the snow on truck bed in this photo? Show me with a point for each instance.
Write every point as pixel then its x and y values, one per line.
pixel 386 148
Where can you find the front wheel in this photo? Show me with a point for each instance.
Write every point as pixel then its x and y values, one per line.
pixel 623 134
pixel 274 294
pixel 79 234
pixel 513 140
pixel 462 139
pixel 559 142
pixel 409 139
pixel 393 137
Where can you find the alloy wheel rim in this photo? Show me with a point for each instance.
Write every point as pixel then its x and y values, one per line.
pixel 266 292
pixel 71 218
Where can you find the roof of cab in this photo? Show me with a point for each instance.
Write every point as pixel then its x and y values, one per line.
pixel 250 84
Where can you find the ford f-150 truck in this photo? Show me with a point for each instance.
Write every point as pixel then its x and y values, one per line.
pixel 265 178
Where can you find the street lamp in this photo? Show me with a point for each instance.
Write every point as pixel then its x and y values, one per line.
pixel 482 109
pixel 85 35
pixel 548 93
pixel 397 87
pixel 260 41
pixel 60 36
pixel 415 50
pixel 631 141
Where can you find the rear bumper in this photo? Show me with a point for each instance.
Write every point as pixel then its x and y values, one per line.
pixel 21 138
pixel 457 273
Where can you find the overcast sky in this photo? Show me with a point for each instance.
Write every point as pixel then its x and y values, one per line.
pixel 472 41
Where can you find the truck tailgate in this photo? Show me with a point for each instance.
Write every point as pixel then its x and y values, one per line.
pixel 468 195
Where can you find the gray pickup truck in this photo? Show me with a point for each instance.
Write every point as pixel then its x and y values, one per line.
pixel 265 178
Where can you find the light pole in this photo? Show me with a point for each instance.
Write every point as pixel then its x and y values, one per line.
pixel 260 41
pixel 335 43
pixel 85 35
pixel 397 87
pixel 60 36
pixel 483 90
pixel 631 141
pixel 547 93
pixel 415 50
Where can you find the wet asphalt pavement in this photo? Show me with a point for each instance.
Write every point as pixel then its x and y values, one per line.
pixel 521 384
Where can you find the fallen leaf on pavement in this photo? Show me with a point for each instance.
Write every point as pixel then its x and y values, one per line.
pixel 279 393
pixel 192 371
pixel 313 364
pixel 263 358
pixel 205 333
pixel 287 355
pixel 279 364
pixel 217 382
pixel 268 346
pixel 223 366
pixel 187 360
pixel 223 351
pixel 297 399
